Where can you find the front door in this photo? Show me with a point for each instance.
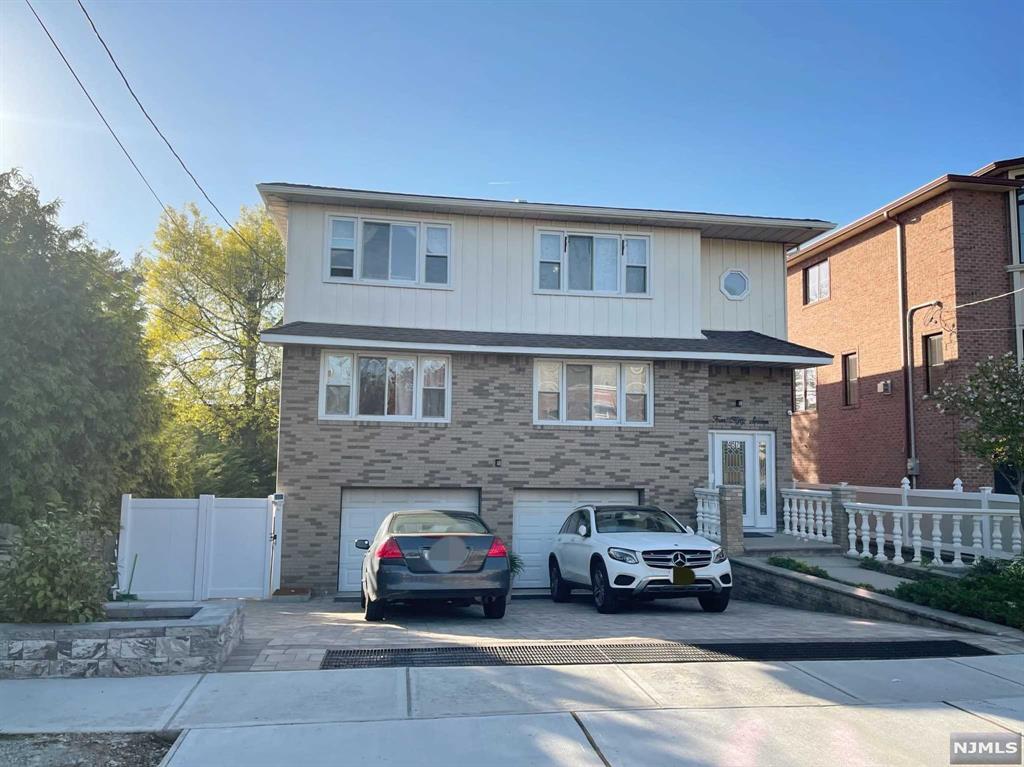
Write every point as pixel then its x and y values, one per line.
pixel 747 459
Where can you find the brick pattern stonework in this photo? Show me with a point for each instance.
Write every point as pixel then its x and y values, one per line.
pixel 492 419
pixel 957 249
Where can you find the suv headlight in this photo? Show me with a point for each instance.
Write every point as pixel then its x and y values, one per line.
pixel 717 555
pixel 623 555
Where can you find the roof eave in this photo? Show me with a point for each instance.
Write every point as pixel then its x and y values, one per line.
pixel 920 195
pixel 727 226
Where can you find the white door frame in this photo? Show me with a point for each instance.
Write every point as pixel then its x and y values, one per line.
pixel 753 519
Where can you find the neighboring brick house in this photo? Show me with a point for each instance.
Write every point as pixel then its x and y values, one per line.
pixel 517 359
pixel 956 240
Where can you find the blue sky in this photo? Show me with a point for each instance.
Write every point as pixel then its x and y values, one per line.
pixel 805 110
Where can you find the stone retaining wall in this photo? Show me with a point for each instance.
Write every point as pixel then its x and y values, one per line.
pixel 164 645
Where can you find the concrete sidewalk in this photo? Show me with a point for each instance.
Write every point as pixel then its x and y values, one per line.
pixel 888 712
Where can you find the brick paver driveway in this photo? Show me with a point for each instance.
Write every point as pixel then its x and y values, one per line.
pixel 295 636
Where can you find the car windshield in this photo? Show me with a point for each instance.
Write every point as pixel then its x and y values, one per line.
pixel 427 522
pixel 635 520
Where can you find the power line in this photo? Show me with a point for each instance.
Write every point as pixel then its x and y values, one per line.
pixel 160 133
pixel 990 298
pixel 96 107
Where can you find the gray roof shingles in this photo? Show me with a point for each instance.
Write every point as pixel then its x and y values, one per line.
pixel 725 342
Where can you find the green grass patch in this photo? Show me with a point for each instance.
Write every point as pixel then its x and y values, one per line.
pixel 991 590
pixel 798 566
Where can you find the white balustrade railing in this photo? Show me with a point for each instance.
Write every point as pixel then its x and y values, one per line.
pixel 993 533
pixel 709 516
pixel 807 514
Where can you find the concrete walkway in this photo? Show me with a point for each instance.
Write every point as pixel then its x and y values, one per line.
pixel 807 713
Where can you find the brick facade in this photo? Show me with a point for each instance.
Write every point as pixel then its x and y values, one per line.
pixel 492 419
pixel 957 246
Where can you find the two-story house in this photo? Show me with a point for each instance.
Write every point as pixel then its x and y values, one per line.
pixel 516 359
pixel 904 298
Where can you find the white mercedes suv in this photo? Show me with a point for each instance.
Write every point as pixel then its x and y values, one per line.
pixel 636 552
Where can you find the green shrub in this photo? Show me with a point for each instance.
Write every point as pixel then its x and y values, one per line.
pixel 515 564
pixel 797 566
pixel 55 575
pixel 991 590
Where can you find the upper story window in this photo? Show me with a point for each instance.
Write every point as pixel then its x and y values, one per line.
pixel 851 376
pixel 411 253
pixel 735 284
pixel 378 387
pixel 805 389
pixel 1020 220
pixel 593 393
pixel 933 362
pixel 592 263
pixel 816 283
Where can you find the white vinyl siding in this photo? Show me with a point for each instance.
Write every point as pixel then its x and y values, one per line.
pixel 384 387
pixel 592 393
pixel 491 276
pixel 592 263
pixel 385 251
pixel 763 308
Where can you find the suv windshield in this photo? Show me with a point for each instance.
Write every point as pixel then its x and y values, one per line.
pixel 624 519
pixel 427 522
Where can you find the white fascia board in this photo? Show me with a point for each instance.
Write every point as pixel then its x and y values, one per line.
pixel 543 351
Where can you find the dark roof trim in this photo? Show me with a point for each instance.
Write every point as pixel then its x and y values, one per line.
pixel 726 226
pixel 738 347
pixel 886 212
pixel 999 165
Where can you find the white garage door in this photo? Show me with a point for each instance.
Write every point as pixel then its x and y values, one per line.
pixel 362 511
pixel 537 516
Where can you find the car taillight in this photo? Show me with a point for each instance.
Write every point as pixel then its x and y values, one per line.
pixel 497 548
pixel 389 550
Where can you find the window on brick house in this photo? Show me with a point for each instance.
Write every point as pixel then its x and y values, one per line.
pixel 816 283
pixel 805 389
pixel 385 387
pixel 594 393
pixel 934 370
pixel 850 379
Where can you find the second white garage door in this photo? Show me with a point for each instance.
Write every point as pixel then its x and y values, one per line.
pixel 363 509
pixel 537 516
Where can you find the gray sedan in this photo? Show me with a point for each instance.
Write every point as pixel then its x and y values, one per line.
pixel 434 555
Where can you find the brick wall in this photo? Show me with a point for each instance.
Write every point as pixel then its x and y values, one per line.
pixel 492 418
pixel 957 247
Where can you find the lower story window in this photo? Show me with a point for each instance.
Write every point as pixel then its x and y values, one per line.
pixel 805 389
pixel 384 387
pixel 598 393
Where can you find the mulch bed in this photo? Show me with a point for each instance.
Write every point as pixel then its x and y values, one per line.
pixel 93 749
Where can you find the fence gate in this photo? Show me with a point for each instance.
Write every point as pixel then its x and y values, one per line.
pixel 205 548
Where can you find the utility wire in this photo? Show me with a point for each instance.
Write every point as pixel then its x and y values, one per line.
pixel 98 111
pixel 990 298
pixel 160 133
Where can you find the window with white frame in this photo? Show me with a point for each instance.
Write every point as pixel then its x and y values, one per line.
pixel 596 393
pixel 805 389
pixel 817 284
pixel 399 252
pixel 379 386
pixel 598 262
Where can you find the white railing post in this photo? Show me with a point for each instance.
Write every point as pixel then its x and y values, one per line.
pixel 819 521
pixel 992 529
pixel 865 535
pixel 851 532
pixel 786 511
pixel 828 521
pixel 977 547
pixel 916 538
pixel 204 524
pixel 905 491
pixel 700 516
pixel 1015 536
pixel 897 539
pixel 880 537
pixel 957 540
pixel 123 542
pixel 958 485
pixel 937 539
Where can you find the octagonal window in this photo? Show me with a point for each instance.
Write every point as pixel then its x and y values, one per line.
pixel 735 284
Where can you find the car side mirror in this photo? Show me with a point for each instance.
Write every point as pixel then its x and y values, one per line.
pixel 582 530
pixel 362 543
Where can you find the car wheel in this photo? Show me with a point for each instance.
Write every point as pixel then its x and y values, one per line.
pixel 373 610
pixel 495 608
pixel 715 603
pixel 560 590
pixel 605 599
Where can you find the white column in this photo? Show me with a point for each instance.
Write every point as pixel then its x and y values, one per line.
pixel 787 529
pixel 937 540
pixel 700 515
pixel 828 521
pixel 957 538
pixel 976 545
pixel 916 537
pixel 851 532
pixel 1015 536
pixel 124 542
pixel 897 539
pixel 958 485
pixel 865 535
pixel 819 522
pixel 880 536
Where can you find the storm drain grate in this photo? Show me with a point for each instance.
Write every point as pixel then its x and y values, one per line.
pixel 653 652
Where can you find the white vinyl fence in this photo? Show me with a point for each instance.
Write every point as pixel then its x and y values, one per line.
pixel 204 548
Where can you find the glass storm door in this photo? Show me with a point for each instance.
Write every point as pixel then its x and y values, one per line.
pixel 747 459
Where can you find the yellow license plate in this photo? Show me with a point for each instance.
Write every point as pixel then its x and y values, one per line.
pixel 682 576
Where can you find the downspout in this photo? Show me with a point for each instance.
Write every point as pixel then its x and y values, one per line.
pixel 908 334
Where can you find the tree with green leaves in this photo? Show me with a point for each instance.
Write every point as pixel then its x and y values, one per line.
pixel 78 399
pixel 991 403
pixel 210 292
